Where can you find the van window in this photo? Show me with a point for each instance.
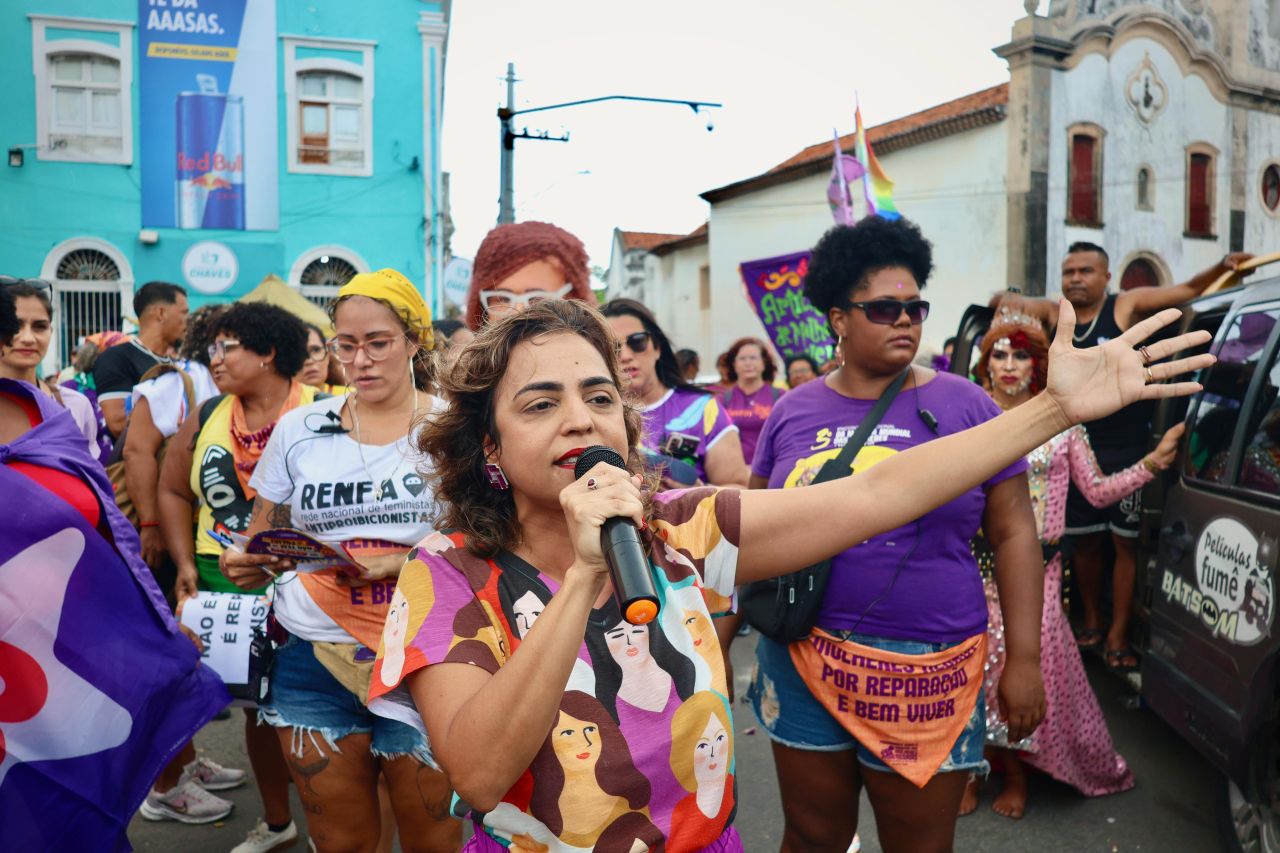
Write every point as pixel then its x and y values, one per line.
pixel 1260 462
pixel 1225 386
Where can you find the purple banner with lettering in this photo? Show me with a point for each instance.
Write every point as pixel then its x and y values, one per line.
pixel 775 288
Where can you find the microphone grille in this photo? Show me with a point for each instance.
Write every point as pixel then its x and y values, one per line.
pixel 593 456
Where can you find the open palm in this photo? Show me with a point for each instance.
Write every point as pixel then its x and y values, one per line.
pixel 1091 383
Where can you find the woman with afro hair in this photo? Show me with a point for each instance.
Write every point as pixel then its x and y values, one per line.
pixel 525 262
pixel 912 591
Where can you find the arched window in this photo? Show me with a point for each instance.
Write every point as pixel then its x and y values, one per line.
pixel 1271 188
pixel 321 272
pixel 1146 188
pixel 1201 167
pixel 1139 273
pixel 1084 175
pixel 87 300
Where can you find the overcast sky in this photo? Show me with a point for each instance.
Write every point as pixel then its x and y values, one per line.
pixel 786 73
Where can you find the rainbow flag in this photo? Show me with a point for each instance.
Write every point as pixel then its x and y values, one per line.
pixel 875 183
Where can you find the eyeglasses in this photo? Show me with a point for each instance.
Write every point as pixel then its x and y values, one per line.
pixel 37 283
pixel 504 300
pixel 886 312
pixel 317 353
pixel 219 349
pixel 637 343
pixel 377 349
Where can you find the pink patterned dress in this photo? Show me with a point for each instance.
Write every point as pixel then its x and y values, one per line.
pixel 1072 744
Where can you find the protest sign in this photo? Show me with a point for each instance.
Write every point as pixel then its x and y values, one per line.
pixel 775 289
pixel 224 622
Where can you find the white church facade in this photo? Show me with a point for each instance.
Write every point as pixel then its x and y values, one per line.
pixel 1151 128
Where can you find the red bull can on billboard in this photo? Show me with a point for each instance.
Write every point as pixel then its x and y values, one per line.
pixel 210 168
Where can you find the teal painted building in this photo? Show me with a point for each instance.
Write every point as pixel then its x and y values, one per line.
pixel 307 142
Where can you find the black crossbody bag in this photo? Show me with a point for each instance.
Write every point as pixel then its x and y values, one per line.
pixel 785 608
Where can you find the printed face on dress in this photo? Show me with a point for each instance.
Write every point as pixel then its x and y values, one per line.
pixel 576 743
pixel 876 348
pixel 527 609
pixel 555 400
pixel 315 370
pixel 629 644
pixel 711 754
pixel 396 627
pixel 237 369
pixel 700 629
pixel 1084 278
pixel 639 368
pixel 27 348
pixel 363 325
pixel 749 362
pixel 543 276
pixel 1011 368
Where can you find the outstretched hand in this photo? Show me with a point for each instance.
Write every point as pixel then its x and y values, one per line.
pixel 1091 383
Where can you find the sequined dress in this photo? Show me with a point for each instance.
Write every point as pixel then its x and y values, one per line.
pixel 1072 744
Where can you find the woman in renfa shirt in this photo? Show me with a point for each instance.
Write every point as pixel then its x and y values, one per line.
pixel 342 470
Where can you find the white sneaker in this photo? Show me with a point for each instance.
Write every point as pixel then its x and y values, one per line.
pixel 262 840
pixel 212 776
pixel 186 802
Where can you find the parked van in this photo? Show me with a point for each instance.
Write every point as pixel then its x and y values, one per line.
pixel 1208 559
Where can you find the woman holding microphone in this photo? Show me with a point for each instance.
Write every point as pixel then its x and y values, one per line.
pixel 519 714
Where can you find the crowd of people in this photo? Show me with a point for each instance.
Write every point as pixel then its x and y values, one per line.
pixel 437 460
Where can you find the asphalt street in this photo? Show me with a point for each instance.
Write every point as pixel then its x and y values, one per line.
pixel 1169 810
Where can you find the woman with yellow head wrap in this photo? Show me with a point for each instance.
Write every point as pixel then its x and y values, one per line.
pixel 342 470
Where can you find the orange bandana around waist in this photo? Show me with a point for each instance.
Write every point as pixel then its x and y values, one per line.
pixel 907 709
pixel 361 611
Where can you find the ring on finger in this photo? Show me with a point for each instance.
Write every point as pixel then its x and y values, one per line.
pixel 593 484
pixel 1150 378
pixel 1146 356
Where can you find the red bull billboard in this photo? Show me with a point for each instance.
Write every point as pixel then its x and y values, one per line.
pixel 209 136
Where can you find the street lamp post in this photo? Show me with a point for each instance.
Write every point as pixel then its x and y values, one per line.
pixel 508 135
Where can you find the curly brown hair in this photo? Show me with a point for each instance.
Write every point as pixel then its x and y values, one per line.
pixel 454 440
pixel 725 362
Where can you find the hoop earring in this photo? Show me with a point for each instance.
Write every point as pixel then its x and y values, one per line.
pixel 840 349
pixel 497 478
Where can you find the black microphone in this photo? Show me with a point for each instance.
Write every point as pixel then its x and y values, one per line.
pixel 335 428
pixel 623 552
pixel 929 420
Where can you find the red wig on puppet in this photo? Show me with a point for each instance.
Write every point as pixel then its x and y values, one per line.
pixel 509 248
pixel 1022 333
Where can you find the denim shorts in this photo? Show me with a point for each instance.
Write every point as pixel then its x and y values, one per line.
pixel 306 697
pixel 793 717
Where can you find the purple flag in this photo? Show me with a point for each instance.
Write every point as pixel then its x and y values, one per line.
pixel 775 288
pixel 98 689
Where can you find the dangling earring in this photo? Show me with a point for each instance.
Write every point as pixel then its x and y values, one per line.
pixel 494 474
pixel 840 349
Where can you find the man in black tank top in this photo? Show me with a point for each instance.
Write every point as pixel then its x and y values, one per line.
pixel 1118 440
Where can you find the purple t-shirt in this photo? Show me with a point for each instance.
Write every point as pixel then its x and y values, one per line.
pixel 937 596
pixel 748 413
pixel 695 414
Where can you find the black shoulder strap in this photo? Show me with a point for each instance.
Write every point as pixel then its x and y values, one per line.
pixel 840 466
pixel 206 410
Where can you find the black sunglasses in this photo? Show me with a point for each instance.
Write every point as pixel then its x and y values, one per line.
pixel 886 312
pixel 638 342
